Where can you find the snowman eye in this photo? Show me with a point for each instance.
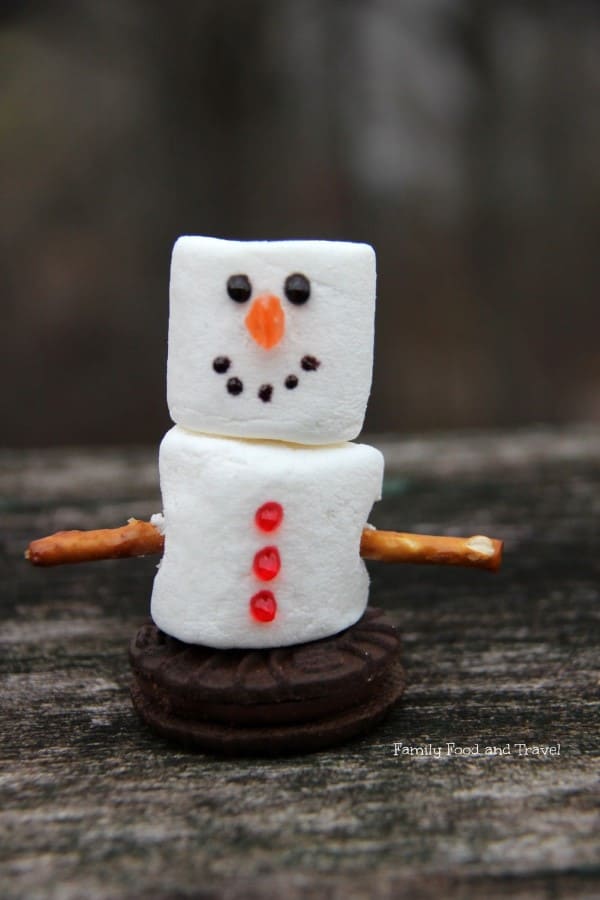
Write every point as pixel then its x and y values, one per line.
pixel 297 288
pixel 239 288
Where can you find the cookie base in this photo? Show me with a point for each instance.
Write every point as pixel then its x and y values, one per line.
pixel 232 740
pixel 268 702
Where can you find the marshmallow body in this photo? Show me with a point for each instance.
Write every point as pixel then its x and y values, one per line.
pixel 272 361
pixel 220 542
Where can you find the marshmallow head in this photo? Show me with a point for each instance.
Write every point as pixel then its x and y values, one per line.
pixel 271 339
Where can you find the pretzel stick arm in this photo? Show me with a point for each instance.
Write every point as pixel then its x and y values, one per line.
pixel 395 546
pixel 139 538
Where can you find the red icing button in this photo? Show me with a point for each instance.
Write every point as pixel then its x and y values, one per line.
pixel 263 606
pixel 267 563
pixel 268 517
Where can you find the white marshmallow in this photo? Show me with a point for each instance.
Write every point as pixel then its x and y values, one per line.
pixel 335 327
pixel 212 488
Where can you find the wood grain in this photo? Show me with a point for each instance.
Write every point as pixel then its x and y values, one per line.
pixel 92 805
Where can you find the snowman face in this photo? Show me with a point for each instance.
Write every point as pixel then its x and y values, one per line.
pixel 271 339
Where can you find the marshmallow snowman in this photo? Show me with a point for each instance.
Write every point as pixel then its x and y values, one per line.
pixel 269 370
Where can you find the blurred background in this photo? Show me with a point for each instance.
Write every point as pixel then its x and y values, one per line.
pixel 460 138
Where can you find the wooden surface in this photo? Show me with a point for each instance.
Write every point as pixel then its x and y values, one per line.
pixel 92 805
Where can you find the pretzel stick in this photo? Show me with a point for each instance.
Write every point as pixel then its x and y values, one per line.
pixel 139 538
pixel 394 546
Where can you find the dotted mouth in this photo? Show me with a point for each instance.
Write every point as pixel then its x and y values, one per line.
pixel 235 386
pixel 221 364
pixel 310 363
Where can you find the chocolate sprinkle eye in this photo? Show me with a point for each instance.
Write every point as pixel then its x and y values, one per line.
pixel 221 364
pixel 265 392
pixel 310 363
pixel 291 382
pixel 297 288
pixel 234 386
pixel 239 288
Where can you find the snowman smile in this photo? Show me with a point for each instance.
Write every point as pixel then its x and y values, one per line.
pixel 235 386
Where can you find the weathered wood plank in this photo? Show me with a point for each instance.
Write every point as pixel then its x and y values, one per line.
pixel 92 805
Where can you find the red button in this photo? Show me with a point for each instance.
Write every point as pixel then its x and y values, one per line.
pixel 267 563
pixel 263 606
pixel 268 517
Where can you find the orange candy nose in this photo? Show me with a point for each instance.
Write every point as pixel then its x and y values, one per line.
pixel 266 320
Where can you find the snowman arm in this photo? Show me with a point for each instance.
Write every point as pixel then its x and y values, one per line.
pixel 139 538
pixel 395 546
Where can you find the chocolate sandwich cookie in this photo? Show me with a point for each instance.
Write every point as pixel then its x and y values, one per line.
pixel 270 701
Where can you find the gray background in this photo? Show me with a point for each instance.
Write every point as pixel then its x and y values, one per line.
pixel 460 138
